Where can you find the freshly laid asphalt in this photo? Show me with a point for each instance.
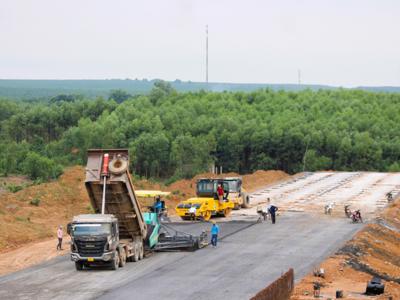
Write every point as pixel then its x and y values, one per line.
pixel 248 257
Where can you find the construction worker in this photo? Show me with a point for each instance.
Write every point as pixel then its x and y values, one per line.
pixel 192 212
pixel 60 237
pixel 272 211
pixel 220 192
pixel 158 205
pixel 214 234
pixel 268 206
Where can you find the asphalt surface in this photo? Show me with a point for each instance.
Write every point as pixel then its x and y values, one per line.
pixel 249 257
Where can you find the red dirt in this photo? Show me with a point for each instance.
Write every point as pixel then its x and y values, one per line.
pixel 22 222
pixel 374 250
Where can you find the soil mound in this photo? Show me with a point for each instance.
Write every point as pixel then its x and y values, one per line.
pixel 35 212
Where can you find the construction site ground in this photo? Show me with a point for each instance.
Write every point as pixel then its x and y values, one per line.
pixel 250 254
pixel 28 232
pixel 243 263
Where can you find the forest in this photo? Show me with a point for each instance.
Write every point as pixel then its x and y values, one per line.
pixel 173 134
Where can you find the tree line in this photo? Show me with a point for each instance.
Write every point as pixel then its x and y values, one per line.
pixel 172 134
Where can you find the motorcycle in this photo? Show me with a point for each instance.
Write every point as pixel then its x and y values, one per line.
pixel 389 197
pixel 356 217
pixel 262 214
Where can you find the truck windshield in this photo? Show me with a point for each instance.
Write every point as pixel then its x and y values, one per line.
pixel 233 185
pixel 91 229
pixel 205 186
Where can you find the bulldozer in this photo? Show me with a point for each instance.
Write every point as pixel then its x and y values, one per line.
pixel 206 204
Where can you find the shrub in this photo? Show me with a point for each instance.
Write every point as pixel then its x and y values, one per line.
pixel 35 202
pixel 13 188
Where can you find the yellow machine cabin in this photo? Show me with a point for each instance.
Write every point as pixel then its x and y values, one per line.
pixel 206 204
pixel 237 194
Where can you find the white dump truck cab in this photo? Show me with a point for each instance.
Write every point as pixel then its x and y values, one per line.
pixel 94 240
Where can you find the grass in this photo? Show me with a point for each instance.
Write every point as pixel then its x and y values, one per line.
pixel 22 219
pixel 35 202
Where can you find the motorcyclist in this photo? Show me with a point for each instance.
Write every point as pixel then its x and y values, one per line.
pixel 356 216
pixel 347 210
pixel 389 197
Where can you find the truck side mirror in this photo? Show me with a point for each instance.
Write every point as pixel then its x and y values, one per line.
pixel 69 227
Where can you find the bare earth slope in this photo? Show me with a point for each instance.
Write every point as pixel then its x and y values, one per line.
pixel 21 222
pixel 374 251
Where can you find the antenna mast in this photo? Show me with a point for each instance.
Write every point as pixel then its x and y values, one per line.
pixel 207 54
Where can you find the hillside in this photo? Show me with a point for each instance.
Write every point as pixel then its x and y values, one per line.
pixel 30 89
pixel 23 222
pixel 180 134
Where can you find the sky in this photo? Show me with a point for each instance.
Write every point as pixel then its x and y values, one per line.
pixel 338 42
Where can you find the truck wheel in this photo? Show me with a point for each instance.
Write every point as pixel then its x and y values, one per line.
pixel 122 258
pixel 207 215
pixel 78 266
pixel 135 256
pixel 141 252
pixel 115 262
pixel 226 212
pixel 246 201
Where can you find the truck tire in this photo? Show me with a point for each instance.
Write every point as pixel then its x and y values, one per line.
pixel 122 258
pixel 118 165
pixel 226 212
pixel 246 201
pixel 206 215
pixel 135 256
pixel 141 252
pixel 115 262
pixel 78 266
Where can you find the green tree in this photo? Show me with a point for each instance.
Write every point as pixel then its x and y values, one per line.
pixel 39 167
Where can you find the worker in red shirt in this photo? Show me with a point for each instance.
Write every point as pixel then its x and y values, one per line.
pixel 220 192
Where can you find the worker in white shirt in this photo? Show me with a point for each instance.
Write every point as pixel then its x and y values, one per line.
pixel 192 212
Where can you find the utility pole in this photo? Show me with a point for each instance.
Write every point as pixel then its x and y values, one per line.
pixel 207 54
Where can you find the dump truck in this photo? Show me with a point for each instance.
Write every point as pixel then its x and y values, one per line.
pixel 118 231
pixel 206 203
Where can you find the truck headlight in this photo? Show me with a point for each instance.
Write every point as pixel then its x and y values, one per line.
pixel 107 256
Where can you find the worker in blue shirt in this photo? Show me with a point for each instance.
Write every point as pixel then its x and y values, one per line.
pixel 214 234
pixel 272 211
pixel 158 205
